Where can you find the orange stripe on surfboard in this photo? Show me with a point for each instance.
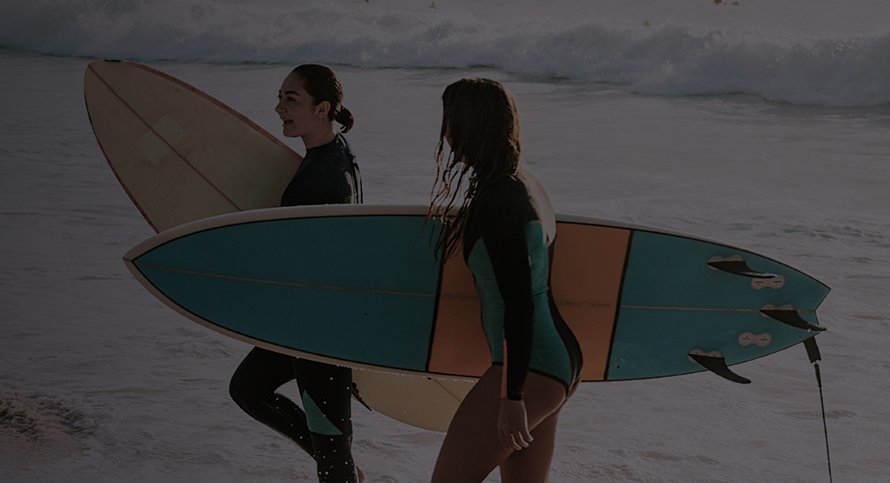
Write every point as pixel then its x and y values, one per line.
pixel 459 345
pixel 588 267
pixel 588 263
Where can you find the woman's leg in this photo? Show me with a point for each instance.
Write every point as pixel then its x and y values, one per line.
pixel 473 432
pixel 472 449
pixel 533 463
pixel 326 391
pixel 253 388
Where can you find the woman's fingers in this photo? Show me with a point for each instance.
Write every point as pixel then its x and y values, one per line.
pixel 517 440
pixel 513 425
pixel 527 436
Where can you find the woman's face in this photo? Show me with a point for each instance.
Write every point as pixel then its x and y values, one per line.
pixel 297 109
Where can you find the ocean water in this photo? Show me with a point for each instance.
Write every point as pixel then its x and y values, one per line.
pixel 765 125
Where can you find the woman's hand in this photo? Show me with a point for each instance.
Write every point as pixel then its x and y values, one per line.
pixel 513 425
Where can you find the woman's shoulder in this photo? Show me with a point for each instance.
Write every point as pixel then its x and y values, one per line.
pixel 342 148
pixel 503 195
pixel 333 155
pixel 503 185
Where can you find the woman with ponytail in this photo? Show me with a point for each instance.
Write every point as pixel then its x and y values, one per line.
pixel 496 211
pixel 309 101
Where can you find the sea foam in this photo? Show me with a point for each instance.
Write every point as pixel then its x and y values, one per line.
pixel 645 55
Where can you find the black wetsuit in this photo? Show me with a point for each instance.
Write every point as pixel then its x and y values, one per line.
pixel 507 251
pixel 327 175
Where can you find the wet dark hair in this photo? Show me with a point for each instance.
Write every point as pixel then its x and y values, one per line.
pixel 321 83
pixel 481 122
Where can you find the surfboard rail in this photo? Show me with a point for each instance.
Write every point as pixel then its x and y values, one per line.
pixel 622 335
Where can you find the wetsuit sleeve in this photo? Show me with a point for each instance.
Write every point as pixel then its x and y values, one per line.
pixel 503 231
pixel 320 183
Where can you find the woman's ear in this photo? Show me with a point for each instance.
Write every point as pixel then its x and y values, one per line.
pixel 322 109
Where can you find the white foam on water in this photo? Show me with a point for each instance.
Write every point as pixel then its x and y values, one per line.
pixel 812 53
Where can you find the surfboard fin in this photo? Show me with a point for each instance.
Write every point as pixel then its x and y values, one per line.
pixel 737 266
pixel 790 317
pixel 358 397
pixel 717 365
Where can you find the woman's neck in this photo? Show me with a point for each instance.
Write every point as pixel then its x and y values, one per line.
pixel 321 138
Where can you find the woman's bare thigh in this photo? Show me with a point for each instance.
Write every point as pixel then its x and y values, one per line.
pixel 472 449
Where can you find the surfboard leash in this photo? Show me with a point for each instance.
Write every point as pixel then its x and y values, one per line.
pixel 815 356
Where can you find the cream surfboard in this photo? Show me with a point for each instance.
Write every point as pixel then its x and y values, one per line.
pixel 182 155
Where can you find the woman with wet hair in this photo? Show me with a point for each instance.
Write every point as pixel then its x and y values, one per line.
pixel 496 211
pixel 309 101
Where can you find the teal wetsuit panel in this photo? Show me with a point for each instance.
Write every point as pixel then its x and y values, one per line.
pixel 507 251
pixel 549 354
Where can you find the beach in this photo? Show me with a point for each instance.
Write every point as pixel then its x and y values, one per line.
pixel 99 381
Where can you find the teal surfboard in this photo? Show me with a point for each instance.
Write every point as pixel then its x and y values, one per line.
pixel 362 286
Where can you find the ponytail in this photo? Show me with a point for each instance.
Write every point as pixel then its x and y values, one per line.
pixel 344 117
